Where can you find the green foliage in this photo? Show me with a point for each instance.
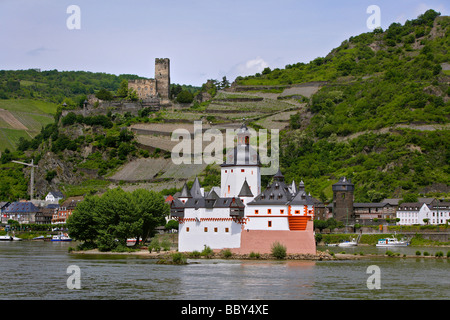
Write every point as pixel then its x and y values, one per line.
pixel 185 97
pixel 104 94
pixel 178 258
pixel 122 92
pixel 207 252
pixel 226 253
pixel 278 250
pixel 110 219
pixel 439 254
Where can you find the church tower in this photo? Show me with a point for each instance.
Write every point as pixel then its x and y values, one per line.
pixel 241 170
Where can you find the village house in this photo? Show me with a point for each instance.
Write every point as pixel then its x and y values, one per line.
pixel 65 210
pixel 423 213
pixel 54 196
pixel 21 211
pixel 3 206
pixel 45 214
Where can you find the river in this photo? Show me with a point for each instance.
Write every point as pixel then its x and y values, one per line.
pixel 38 270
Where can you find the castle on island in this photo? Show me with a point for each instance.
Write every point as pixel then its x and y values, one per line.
pixel 239 216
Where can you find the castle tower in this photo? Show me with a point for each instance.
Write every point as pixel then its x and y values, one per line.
pixel 162 77
pixel 343 200
pixel 242 165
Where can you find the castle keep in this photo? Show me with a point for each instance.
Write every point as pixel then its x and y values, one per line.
pixel 158 87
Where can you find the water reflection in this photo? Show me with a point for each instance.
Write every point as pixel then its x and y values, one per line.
pixel 37 270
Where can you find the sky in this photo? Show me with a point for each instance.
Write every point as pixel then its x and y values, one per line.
pixel 204 39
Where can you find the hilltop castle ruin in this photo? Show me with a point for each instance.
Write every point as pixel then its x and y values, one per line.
pixel 159 87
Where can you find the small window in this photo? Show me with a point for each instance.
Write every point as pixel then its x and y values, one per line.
pixel 229 188
pixel 215 229
pixel 281 211
pixel 297 211
pixel 242 170
pixel 227 230
pixel 231 170
pixel 256 211
pixel 187 229
pixel 226 171
pixel 269 224
pixel 206 229
pixel 269 211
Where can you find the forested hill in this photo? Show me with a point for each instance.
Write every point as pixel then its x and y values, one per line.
pixel 382 117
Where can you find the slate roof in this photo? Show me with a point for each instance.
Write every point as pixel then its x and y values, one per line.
pixel 369 205
pixel 21 207
pixel 245 190
pixel 301 198
pixel 57 194
pixel 185 193
pixel 196 191
pixel 277 193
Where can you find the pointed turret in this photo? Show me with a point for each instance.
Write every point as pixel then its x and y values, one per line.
pixel 293 187
pixel 278 176
pixel 196 190
pixel 245 190
pixel 301 186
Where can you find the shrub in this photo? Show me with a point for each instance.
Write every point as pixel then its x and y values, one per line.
pixel 154 245
pixel 278 250
pixel 194 254
pixel 418 253
pixel 389 253
pixel 165 244
pixel 448 254
pixel 207 252
pixel 226 253
pixel 256 255
pixel 179 258
pixel 426 253
pixel 439 254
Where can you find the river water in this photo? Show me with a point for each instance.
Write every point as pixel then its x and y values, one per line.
pixel 38 270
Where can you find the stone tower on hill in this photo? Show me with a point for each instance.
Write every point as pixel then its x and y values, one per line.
pixel 151 88
pixel 162 77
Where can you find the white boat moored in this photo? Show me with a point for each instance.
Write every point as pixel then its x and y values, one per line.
pixel 391 242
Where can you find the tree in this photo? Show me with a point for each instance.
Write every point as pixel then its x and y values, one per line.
pixel 82 224
pixel 225 83
pixel 185 97
pixel 151 209
pixel 104 94
pixel 108 221
pixel 122 92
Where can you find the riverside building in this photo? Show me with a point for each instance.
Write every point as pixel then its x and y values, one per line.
pixel 238 215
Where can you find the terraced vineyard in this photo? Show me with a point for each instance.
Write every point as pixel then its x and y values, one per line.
pixel 23 118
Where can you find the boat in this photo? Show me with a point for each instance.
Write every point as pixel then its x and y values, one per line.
pixel 352 243
pixel 132 241
pixel 5 238
pixel 391 242
pixel 9 238
pixel 61 237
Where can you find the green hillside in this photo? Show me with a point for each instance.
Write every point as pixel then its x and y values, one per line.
pixel 376 109
pixel 381 118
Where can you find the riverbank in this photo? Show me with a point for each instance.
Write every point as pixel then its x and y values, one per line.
pixel 319 256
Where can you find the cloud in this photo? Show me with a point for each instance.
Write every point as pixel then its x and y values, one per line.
pixel 37 51
pixel 422 7
pixel 255 65
pixel 248 67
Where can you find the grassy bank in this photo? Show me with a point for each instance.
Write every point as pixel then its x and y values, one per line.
pixel 372 239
